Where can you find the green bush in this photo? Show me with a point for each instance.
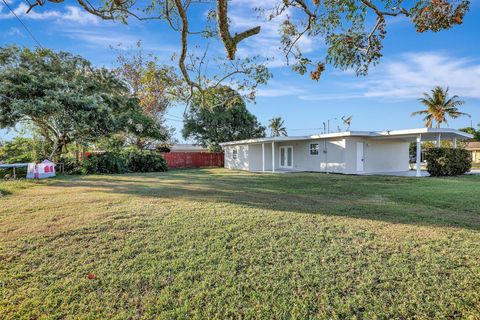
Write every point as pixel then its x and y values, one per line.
pixel 145 161
pixel 69 166
pixel 130 160
pixel 448 161
pixel 108 162
pixel 19 150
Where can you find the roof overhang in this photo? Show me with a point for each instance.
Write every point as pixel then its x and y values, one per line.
pixel 427 134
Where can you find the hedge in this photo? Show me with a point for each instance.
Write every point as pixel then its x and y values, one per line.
pixel 448 161
pixel 130 160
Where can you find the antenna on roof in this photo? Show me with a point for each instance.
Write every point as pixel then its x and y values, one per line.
pixel 347 121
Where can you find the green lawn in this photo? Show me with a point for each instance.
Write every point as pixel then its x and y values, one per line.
pixel 225 244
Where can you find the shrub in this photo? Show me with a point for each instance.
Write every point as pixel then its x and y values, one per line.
pixel 108 162
pixel 145 161
pixel 131 160
pixel 69 166
pixel 448 161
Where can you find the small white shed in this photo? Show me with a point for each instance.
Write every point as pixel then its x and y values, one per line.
pixel 352 152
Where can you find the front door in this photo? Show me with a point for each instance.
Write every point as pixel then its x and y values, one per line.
pixel 360 157
pixel 286 157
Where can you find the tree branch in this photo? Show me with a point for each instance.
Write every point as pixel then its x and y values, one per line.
pixel 230 42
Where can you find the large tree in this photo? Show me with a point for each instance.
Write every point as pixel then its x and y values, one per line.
pixel 155 85
pixel 223 117
pixel 472 131
pixel 438 106
pixel 352 32
pixel 66 99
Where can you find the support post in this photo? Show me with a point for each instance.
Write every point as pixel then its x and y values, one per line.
pixel 419 155
pixel 439 139
pixel 273 156
pixel 14 173
pixel 455 142
pixel 263 157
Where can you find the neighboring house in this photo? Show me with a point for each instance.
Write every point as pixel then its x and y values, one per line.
pixel 354 152
pixel 185 147
pixel 474 148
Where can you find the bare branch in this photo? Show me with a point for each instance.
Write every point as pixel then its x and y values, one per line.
pixel 230 42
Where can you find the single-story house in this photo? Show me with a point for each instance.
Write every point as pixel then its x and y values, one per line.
pixel 351 152
pixel 474 148
pixel 186 147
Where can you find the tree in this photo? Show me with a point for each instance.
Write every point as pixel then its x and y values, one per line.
pixel 439 106
pixel 20 150
pixel 352 39
pixel 66 99
pixel 472 131
pixel 276 127
pixel 155 86
pixel 224 118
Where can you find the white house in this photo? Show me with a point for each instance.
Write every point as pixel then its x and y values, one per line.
pixel 353 152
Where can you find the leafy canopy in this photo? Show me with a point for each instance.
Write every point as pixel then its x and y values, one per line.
pixel 352 32
pixel 438 106
pixel 472 131
pixel 66 99
pixel 277 128
pixel 223 118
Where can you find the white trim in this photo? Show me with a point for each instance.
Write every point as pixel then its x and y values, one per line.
pixel 362 160
pixel 419 156
pixel 310 148
pixel 374 134
pixel 263 157
pixel 273 156
pixel 286 166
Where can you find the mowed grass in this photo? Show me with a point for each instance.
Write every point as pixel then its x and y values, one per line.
pixel 227 244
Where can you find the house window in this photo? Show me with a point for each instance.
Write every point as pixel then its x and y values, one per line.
pixel 314 149
pixel 235 154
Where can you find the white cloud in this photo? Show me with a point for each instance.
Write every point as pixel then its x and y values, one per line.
pixel 407 77
pixel 72 14
pixel 277 89
pixel 14 32
pixel 80 16
pixel 267 43
pixel 413 73
pixel 102 38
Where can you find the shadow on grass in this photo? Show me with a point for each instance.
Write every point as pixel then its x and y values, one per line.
pixel 448 202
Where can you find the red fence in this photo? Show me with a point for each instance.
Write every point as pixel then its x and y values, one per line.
pixel 194 159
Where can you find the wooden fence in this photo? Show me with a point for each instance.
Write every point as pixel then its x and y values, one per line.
pixel 194 159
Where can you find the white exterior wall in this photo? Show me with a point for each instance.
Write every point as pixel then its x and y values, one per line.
pixel 386 156
pixel 379 155
pixel 340 156
pixel 329 159
pixel 255 157
pixel 242 161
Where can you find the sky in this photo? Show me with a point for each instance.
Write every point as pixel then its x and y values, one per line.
pixel 412 63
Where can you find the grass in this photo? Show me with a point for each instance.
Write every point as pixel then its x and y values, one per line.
pixel 225 244
pixel 12 186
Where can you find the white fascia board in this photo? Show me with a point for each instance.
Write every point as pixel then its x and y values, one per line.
pixel 389 133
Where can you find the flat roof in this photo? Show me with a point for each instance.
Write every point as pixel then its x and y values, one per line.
pixel 409 134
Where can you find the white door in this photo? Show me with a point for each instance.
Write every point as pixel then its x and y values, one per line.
pixel 286 157
pixel 360 157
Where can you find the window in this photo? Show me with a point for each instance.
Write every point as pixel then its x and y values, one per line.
pixel 235 154
pixel 314 149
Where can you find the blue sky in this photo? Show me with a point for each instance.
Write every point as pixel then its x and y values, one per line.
pixel 413 63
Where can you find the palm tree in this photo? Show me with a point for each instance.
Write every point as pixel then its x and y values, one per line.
pixel 439 106
pixel 277 128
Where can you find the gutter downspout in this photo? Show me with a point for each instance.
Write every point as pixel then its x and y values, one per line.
pixel 419 155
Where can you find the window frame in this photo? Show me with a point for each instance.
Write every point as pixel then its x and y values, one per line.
pixel 234 154
pixel 317 149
